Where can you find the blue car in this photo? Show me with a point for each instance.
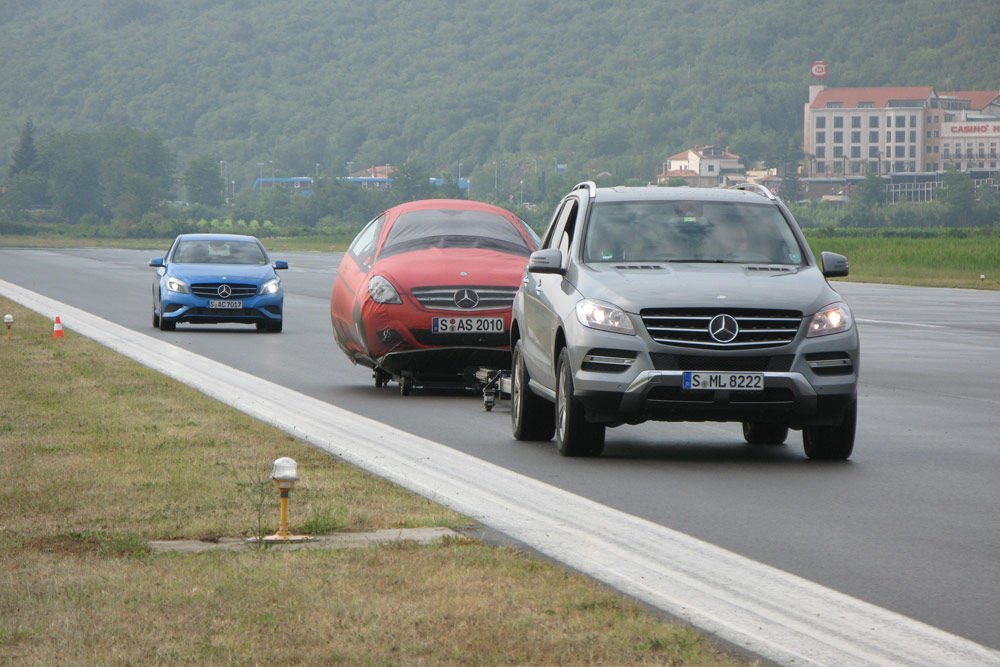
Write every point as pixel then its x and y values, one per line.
pixel 216 278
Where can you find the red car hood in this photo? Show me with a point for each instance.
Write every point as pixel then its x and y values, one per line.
pixel 452 266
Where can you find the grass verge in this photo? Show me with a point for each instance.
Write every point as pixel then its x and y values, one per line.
pixel 939 261
pixel 101 455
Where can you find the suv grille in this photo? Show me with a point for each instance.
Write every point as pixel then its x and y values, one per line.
pixel 465 298
pixel 689 327
pixel 211 290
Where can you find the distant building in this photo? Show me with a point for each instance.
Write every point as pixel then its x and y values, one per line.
pixel 376 177
pixel 705 166
pixel 299 184
pixel 849 132
pixel 380 177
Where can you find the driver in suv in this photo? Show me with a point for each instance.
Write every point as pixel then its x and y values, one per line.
pixel 682 304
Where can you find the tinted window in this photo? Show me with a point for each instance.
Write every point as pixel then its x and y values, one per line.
pixel 454 229
pixel 690 231
pixel 363 246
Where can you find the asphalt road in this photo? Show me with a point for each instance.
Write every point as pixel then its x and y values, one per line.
pixel 911 523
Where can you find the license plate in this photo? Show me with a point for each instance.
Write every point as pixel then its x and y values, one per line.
pixel 727 381
pixel 470 325
pixel 226 305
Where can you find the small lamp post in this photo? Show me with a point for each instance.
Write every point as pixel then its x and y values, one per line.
pixel 8 320
pixel 284 472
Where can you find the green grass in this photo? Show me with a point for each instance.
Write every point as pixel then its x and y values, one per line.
pixel 102 455
pixel 940 261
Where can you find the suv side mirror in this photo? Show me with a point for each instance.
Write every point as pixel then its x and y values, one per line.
pixel 834 265
pixel 545 261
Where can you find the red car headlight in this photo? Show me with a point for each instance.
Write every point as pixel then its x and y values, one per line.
pixel 382 291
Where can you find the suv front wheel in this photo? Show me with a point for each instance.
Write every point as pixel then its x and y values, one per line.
pixel 531 416
pixel 575 435
pixel 832 443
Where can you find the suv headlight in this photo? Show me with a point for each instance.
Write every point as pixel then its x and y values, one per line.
pixel 178 285
pixel 272 286
pixel 604 316
pixel 382 291
pixel 835 318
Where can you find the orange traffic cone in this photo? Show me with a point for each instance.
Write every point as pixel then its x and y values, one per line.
pixel 57 330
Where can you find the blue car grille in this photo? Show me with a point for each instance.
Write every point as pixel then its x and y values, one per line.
pixel 466 298
pixel 211 290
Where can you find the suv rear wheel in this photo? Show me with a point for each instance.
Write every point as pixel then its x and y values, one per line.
pixel 575 435
pixel 531 416
pixel 832 443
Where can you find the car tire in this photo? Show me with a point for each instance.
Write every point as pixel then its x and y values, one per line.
pixel 156 318
pixel 167 325
pixel 381 378
pixel 763 433
pixel 531 416
pixel 405 385
pixel 269 326
pixel 832 443
pixel 574 434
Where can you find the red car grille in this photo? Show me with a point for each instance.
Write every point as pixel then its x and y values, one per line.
pixel 465 298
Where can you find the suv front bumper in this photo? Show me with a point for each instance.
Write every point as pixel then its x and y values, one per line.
pixel 809 382
pixel 787 398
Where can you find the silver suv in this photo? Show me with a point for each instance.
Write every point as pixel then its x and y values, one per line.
pixel 681 304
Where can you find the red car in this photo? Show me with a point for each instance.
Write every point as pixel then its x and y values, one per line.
pixel 423 293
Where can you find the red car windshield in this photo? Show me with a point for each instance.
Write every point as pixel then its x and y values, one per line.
pixel 420 230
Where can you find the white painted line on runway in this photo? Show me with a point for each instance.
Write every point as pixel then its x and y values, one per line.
pixel 903 324
pixel 779 616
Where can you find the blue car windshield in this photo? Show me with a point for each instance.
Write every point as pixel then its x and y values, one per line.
pixel 202 251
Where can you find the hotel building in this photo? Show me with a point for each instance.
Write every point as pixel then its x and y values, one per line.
pixel 850 132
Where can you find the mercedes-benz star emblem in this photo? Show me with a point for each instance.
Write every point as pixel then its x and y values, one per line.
pixel 466 298
pixel 723 328
pixel 225 291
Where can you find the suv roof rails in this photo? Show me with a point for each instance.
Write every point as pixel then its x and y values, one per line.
pixel 754 187
pixel 589 186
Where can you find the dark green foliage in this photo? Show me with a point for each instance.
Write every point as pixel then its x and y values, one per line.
pixel 300 83
pixel 25 154
pixel 202 181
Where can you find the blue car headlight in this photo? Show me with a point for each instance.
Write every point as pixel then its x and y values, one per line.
pixel 272 286
pixel 177 285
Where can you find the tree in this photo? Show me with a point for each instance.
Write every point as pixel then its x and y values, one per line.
pixel 202 181
pixel 870 192
pixel 791 189
pixel 25 155
pixel 411 181
pixel 75 187
pixel 958 194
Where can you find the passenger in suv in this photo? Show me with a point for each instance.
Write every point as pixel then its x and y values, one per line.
pixel 682 304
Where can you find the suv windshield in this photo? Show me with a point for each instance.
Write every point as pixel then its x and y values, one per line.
pixel 689 231
pixel 454 229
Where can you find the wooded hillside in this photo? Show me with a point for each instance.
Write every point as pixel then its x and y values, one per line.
pixel 502 87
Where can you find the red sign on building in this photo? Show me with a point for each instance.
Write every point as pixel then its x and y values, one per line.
pixel 818 69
